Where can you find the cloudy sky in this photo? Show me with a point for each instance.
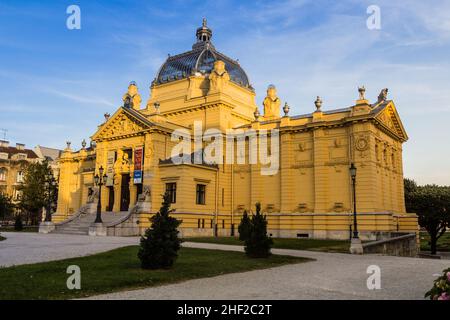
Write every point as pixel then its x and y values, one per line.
pixel 56 83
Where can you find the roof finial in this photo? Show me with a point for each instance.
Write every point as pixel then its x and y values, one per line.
pixel 204 33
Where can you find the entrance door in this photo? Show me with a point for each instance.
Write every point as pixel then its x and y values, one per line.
pixel 111 199
pixel 125 193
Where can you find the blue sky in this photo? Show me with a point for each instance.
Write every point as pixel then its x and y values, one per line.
pixel 56 83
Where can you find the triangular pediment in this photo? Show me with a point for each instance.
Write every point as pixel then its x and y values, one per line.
pixel 121 124
pixel 390 120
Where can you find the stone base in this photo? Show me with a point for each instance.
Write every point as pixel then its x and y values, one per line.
pixel 356 246
pixel 46 227
pixel 97 229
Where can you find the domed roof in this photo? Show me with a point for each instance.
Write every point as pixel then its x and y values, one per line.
pixel 200 59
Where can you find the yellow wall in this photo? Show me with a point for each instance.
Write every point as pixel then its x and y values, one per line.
pixel 310 193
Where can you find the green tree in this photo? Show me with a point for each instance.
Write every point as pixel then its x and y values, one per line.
pixel 432 205
pixel 6 206
pixel 258 244
pixel 160 243
pixel 244 227
pixel 37 193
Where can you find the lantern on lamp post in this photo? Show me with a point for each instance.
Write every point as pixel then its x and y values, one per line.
pixel 99 180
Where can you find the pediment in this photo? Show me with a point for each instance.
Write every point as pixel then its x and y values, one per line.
pixel 390 119
pixel 121 124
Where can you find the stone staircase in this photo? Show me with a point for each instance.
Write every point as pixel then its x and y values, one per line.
pixel 81 224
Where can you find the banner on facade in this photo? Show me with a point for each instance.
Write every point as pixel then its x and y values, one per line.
pixel 110 158
pixel 138 158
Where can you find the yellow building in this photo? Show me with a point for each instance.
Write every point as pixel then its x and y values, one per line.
pixel 309 194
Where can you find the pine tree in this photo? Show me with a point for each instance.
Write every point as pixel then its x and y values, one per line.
pixel 258 243
pixel 244 227
pixel 160 244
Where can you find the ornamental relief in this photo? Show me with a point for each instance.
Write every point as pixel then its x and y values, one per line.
pixel 121 126
pixel 361 143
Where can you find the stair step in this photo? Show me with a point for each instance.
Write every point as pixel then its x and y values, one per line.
pixel 80 225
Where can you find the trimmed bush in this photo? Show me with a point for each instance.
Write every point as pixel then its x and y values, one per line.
pixel 18 224
pixel 160 244
pixel 244 227
pixel 258 244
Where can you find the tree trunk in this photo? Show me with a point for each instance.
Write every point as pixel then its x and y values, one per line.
pixel 433 243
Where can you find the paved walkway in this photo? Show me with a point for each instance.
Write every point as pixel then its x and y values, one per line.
pixel 32 247
pixel 331 276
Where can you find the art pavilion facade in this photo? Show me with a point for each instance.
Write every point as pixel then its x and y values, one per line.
pixel 310 195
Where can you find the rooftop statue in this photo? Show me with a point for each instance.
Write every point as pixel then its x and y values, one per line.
pixel 219 76
pixel 132 99
pixel 383 95
pixel 271 103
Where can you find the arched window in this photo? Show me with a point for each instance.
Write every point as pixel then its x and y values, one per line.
pixel 3 174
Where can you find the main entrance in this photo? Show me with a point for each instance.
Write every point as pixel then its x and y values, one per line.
pixel 125 193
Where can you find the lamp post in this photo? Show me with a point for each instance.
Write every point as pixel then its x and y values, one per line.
pixel 99 181
pixel 356 245
pixel 47 225
pixel 355 223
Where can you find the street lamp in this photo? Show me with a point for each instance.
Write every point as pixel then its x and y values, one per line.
pixel 356 245
pixel 50 184
pixel 99 181
pixel 355 223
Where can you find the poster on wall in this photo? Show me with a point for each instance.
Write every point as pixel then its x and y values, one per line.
pixel 110 158
pixel 138 158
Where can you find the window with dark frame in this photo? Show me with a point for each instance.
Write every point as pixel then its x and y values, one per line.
pixel 171 189
pixel 201 194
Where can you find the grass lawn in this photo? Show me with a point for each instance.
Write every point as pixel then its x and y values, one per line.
pixel 282 243
pixel 119 269
pixel 443 243
pixel 2 238
pixel 25 229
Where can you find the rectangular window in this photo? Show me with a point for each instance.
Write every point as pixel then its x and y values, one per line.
pixel 2 174
pixel 203 223
pixel 223 197
pixel 201 190
pixel 223 224
pixel 171 189
pixel 198 223
pixel 20 176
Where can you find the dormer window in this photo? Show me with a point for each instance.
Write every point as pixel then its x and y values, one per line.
pixel 19 156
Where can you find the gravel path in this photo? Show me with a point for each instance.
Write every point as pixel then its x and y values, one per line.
pixel 32 247
pixel 332 276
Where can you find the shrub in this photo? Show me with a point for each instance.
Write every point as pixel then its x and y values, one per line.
pixel 18 224
pixel 244 227
pixel 441 287
pixel 258 244
pixel 160 243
